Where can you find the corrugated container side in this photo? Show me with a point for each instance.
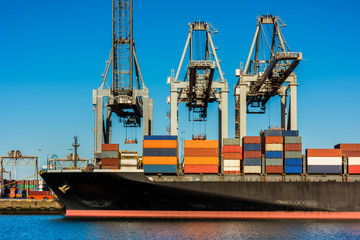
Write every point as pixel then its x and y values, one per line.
pixel 292 140
pixel 274 140
pixel 293 169
pixel 110 154
pixel 252 162
pixel 231 168
pixel 160 152
pixel 273 162
pixel 201 160
pixel 232 156
pixel 274 169
pixel 293 161
pixel 252 147
pixel 232 172
pixel 231 149
pixel 160 168
pixel 201 152
pixel 273 154
pixel 110 161
pixel 128 162
pixel 354 169
pixel 110 147
pixel 160 160
pixel 128 168
pixel 317 152
pixel 201 169
pixel 252 169
pixel 160 137
pixel 201 144
pixel 348 146
pixel 351 153
pixel 354 160
pixel 273 132
pixel 293 147
pixel 293 154
pixel 273 147
pixel 160 144
pixel 324 160
pixel 231 141
pixel 231 163
pixel 252 154
pixel 252 139
pixel 288 133
pixel 313 169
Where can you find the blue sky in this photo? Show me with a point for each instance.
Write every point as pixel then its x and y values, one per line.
pixel 53 54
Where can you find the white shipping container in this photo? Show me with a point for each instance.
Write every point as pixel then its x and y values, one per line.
pixel 252 169
pixel 231 168
pixel 128 168
pixel 273 147
pixel 128 162
pixel 231 163
pixel 330 161
pixel 354 161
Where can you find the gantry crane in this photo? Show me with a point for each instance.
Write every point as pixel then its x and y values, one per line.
pixel 198 88
pixel 268 72
pixel 129 103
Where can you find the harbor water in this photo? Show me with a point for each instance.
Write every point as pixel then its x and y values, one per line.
pixel 59 227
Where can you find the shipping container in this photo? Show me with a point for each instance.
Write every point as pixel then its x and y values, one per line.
pixel 293 147
pixel 354 160
pixel 293 169
pixel 251 139
pixel 160 160
pixel 292 154
pixel 273 162
pixel 293 161
pixel 160 144
pixel 160 137
pixel 109 167
pixel 201 160
pixel 252 162
pixel 351 153
pixel 126 154
pixel 273 154
pixel 348 146
pixel 232 163
pixel 128 168
pixel 232 149
pixel 288 133
pixel 110 147
pixel 252 169
pixel 273 133
pixel 201 144
pixel 317 152
pixel 324 160
pixel 201 152
pixel 201 169
pixel 232 155
pixel 232 172
pixel 274 169
pixel 231 141
pixel 274 147
pixel 252 147
pixel 110 154
pixel 278 140
pixel 354 169
pixel 292 140
pixel 160 168
pixel 252 154
pixel 316 169
pixel 109 161
pixel 231 168
pixel 129 162
pixel 160 152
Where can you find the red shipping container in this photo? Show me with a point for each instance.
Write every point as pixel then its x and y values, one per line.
pixel 232 149
pixel 232 172
pixel 110 147
pixel 109 167
pixel 351 153
pixel 273 139
pixel 323 152
pixel 110 162
pixel 354 169
pixel 232 156
pixel 252 154
pixel 201 152
pixel 293 147
pixel 348 146
pixel 201 169
pixel 249 139
pixel 274 169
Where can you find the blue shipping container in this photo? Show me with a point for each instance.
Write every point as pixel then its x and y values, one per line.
pixel 157 152
pixel 273 133
pixel 160 137
pixel 320 169
pixel 293 161
pixel 160 168
pixel 252 147
pixel 273 154
pixel 293 169
pixel 252 162
pixel 290 133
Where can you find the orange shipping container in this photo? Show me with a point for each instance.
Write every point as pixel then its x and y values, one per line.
pixel 160 144
pixel 201 144
pixel 293 147
pixel 201 152
pixel 201 169
pixel 109 162
pixel 351 153
pixel 323 152
pixel 232 149
pixel 110 147
pixel 348 146
pixel 252 154
pixel 250 139
pixel 273 139
pixel 160 160
pixel 233 156
pixel 201 160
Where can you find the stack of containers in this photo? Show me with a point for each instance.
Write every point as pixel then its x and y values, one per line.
pixel 232 153
pixel 324 161
pixel 110 156
pixel 352 152
pixel 273 151
pixel 293 154
pixel 128 160
pixel 201 156
pixel 252 154
pixel 160 154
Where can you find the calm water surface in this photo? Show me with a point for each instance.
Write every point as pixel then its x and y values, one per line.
pixel 59 227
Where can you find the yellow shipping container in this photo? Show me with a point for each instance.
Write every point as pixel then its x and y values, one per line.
pixel 160 144
pixel 201 160
pixel 201 144
pixel 273 147
pixel 160 160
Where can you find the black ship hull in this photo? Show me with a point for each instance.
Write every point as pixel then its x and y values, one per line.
pixel 125 194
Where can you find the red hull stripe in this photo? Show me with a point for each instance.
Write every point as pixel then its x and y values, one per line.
pixel 212 214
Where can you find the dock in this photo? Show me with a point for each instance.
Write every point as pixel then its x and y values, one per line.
pixel 31 206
